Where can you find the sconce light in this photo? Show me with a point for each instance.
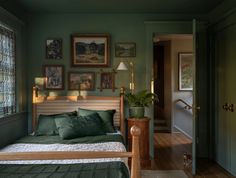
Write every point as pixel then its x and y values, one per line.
pixel 123 67
pixel 38 84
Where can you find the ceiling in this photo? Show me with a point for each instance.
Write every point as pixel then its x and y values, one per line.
pixel 116 6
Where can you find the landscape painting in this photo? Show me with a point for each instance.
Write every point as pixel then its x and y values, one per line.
pixel 90 50
pixel 81 81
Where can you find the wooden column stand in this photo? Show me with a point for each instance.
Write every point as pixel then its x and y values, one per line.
pixel 143 124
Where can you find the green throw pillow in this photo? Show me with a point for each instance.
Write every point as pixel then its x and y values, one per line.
pixel 106 116
pixel 73 127
pixel 46 123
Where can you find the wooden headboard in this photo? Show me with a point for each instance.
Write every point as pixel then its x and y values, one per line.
pixel 59 104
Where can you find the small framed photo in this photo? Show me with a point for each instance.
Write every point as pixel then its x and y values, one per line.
pixel 54 77
pixel 107 80
pixel 81 80
pixel 186 71
pixel 90 50
pixel 54 49
pixel 125 49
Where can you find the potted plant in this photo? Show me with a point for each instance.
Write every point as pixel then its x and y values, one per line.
pixel 139 101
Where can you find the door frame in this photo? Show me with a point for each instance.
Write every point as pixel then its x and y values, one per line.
pixel 162 28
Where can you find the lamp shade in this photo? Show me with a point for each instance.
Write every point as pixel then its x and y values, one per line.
pixel 122 66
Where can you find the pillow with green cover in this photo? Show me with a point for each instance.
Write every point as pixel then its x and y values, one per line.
pixel 79 126
pixel 46 123
pixel 106 116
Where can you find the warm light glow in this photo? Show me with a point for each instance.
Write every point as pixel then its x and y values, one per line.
pixel 122 67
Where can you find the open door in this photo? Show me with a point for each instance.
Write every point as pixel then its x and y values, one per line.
pixel 201 95
pixel 194 139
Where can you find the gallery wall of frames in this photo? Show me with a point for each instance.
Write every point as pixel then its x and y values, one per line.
pixel 87 51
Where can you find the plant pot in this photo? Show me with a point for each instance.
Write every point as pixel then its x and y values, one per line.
pixel 136 112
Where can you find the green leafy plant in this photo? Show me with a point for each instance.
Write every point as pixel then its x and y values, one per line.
pixel 141 99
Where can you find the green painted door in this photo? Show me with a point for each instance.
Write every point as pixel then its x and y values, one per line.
pixel 194 101
pixel 226 85
pixel 223 133
pixel 230 86
pixel 200 145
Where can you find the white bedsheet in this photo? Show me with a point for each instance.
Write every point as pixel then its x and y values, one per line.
pixel 107 146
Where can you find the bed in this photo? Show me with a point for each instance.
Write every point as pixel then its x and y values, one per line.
pixel 102 155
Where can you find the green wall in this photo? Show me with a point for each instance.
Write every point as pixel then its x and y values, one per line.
pixel 223 36
pixel 121 27
pixel 14 126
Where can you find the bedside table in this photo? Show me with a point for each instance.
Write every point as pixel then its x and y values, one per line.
pixel 143 124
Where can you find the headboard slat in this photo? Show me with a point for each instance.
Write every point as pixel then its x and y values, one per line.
pixel 54 105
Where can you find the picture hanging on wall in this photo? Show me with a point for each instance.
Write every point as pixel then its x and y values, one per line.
pixel 125 49
pixel 81 80
pixel 90 50
pixel 54 49
pixel 186 71
pixel 54 77
pixel 107 80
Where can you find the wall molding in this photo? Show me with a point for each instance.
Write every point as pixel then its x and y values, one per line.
pixel 176 127
pixel 5 14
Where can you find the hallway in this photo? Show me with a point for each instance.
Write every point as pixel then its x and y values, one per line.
pixel 169 150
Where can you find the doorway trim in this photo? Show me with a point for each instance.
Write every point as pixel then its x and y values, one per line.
pixel 160 27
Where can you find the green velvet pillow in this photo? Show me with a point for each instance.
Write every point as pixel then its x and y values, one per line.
pixel 46 123
pixel 73 127
pixel 106 116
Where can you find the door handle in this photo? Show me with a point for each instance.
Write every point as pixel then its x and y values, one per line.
pixel 196 108
pixel 225 106
pixel 228 107
pixel 231 108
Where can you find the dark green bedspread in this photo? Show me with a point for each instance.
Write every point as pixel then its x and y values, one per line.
pixel 80 170
pixel 88 170
pixel 57 139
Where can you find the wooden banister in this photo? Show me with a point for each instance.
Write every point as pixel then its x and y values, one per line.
pixel 135 162
pixel 187 106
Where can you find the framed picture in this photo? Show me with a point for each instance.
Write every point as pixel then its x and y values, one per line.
pixel 186 71
pixel 54 77
pixel 81 80
pixel 107 80
pixel 125 49
pixel 90 50
pixel 54 49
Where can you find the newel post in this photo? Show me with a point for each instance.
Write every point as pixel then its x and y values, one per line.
pixel 135 163
pixel 122 119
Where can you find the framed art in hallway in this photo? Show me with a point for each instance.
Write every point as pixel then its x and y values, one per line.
pixel 54 77
pixel 126 49
pixel 185 71
pixel 81 80
pixel 90 50
pixel 54 49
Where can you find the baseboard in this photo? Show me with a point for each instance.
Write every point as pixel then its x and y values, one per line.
pixel 187 135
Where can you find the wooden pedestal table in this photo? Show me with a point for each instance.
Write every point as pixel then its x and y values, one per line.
pixel 143 124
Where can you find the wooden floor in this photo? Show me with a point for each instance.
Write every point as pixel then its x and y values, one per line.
pixel 169 150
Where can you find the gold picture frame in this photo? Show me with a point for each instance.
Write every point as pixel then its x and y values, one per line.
pixel 90 50
pixel 185 71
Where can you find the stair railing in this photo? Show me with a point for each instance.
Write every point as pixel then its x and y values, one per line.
pixel 187 106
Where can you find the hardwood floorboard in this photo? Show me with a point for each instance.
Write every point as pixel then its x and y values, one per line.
pixel 169 150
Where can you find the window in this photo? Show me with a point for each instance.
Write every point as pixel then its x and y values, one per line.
pixel 7 71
